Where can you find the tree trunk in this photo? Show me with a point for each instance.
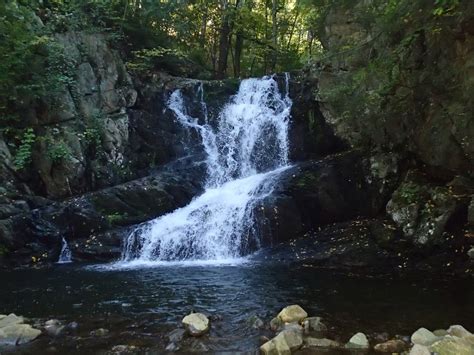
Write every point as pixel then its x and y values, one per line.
pixel 223 42
pixel 274 34
pixel 239 42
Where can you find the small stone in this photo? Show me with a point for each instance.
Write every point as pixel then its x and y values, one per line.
pixel 196 324
pixel 314 324
pixel 172 347
pixel 440 332
pixel 275 324
pixel 293 313
pixel 99 332
pixel 459 331
pixel 470 253
pixel 419 350
pixel 73 326
pixel 358 341
pixel 123 349
pixel 176 335
pixel 321 343
pixel 263 339
pixel 256 322
pixel 54 327
pixel 423 337
pixel 391 346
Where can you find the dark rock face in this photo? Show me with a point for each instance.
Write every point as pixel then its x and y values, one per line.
pixel 95 224
pixel 337 188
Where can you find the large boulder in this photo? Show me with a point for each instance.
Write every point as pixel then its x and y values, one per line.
pixel 196 324
pixel 292 314
pixel 13 330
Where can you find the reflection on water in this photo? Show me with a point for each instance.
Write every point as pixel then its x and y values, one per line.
pixel 163 295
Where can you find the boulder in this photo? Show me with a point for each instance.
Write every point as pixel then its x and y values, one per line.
pixel 292 314
pixel 423 337
pixel 418 349
pixel 453 345
pixel 196 324
pixel 314 324
pixel 391 346
pixel 440 332
pixel 176 335
pixel 18 334
pixel 358 341
pixel 283 344
pixel 275 324
pixel 459 331
pixel 14 332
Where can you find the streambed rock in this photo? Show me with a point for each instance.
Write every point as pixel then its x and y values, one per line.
pixel 196 324
pixel 292 314
pixel 391 346
pixel 14 332
pixel 423 337
pixel 358 341
pixel 321 343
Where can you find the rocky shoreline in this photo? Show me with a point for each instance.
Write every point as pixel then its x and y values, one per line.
pixel 292 331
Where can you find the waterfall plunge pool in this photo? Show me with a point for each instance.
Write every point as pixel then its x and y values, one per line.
pixel 140 306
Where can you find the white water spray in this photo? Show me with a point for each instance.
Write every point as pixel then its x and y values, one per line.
pixel 245 154
pixel 65 256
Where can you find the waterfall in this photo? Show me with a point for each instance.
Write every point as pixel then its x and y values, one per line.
pixel 65 254
pixel 246 152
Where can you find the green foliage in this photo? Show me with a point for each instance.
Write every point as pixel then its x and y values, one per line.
pixel 58 151
pixel 411 192
pixel 23 153
pixel 116 217
pixel 146 60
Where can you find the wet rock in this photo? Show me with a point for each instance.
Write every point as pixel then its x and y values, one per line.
pixel 176 335
pixel 459 331
pixel 11 319
pixel 172 347
pixel 196 324
pixel 314 324
pixel 358 341
pixel 73 326
pixel 284 343
pixel 293 313
pixel 453 345
pixel 422 210
pixel 321 343
pixel 54 327
pixel 440 332
pixel 123 349
pixel 423 337
pixel 263 339
pixel 14 332
pixel 391 346
pixel 275 324
pixel 199 347
pixel 418 349
pixel 470 253
pixel 293 338
pixel 101 332
pixel 256 322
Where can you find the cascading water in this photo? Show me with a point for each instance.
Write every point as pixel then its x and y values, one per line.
pixel 245 154
pixel 65 256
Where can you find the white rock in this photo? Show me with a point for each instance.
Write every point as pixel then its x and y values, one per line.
pixel 17 334
pixel 10 320
pixel 459 331
pixel 358 341
pixel 321 343
pixel 196 324
pixel 419 350
pixel 423 337
pixel 292 314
